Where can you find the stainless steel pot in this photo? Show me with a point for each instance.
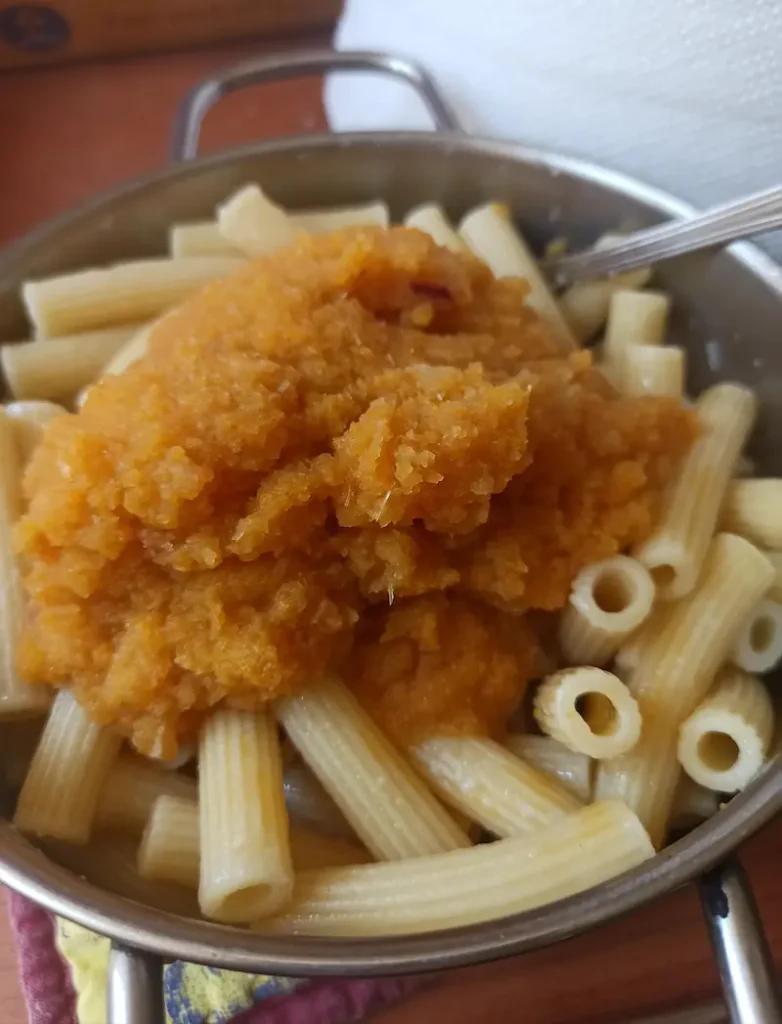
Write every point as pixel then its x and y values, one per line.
pixel 728 313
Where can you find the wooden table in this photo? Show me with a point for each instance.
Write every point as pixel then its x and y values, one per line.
pixel 67 133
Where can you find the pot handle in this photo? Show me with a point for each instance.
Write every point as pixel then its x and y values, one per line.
pixel 739 944
pixel 190 116
pixel 134 992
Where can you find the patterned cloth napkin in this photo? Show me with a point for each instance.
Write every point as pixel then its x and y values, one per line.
pixel 62 969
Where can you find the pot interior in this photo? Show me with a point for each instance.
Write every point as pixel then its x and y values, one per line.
pixel 727 313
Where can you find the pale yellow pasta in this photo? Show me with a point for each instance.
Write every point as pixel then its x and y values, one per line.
pixel 253 223
pixel 199 238
pixel 676 672
pixel 388 806
pixel 431 219
pixel 131 351
pixel 675 551
pixel 462 887
pixel 130 790
pixel 490 233
pixel 30 419
pixel 724 743
pixel 18 740
pixel 491 785
pixel 246 869
pixel 56 368
pixel 110 862
pixel 585 303
pixel 321 222
pixel 16 696
pixel 692 805
pixel 753 509
pixel 572 770
pixel 631 651
pixel 758 643
pixel 589 710
pixel 775 557
pixel 120 294
pixel 59 796
pixel 608 600
pixel 654 370
pixel 171 845
pixel 309 803
pixel 634 318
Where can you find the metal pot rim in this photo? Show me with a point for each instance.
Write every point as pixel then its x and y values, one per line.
pixel 131 924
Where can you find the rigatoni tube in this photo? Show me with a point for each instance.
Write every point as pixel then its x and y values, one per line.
pixel 675 551
pixel 463 887
pixel 253 223
pixel 130 790
pixel 246 869
pixel 16 696
pixel 589 710
pixel 491 785
pixel 56 368
pixel 634 318
pixel 724 743
pixel 758 644
pixel 199 238
pixel 59 796
pixel 386 803
pixel 88 299
pixel 430 218
pixel 490 233
pixel 753 509
pixel 321 222
pixel 654 370
pixel 571 769
pixel 675 673
pixel 309 803
pixel 608 600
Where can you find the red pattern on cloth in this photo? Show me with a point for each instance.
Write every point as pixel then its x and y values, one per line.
pixel 51 999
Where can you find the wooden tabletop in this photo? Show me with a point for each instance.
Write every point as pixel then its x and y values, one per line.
pixel 67 133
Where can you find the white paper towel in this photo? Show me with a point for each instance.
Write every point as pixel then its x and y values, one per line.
pixel 686 94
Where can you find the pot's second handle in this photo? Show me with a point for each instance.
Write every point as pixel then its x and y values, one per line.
pixel 740 946
pixel 187 128
pixel 134 991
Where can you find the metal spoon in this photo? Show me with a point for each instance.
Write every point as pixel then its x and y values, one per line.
pixel 752 215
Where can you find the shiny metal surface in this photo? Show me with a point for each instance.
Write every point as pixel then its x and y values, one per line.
pixel 728 313
pixel 739 945
pixel 187 127
pixel 741 218
pixel 134 993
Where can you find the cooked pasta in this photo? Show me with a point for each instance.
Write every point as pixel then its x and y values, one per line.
pixel 633 648
pixel 692 805
pixel 724 743
pixel 130 790
pixel 589 710
pixel 253 223
pixel 753 509
pixel 355 763
pixel 56 368
pixel 548 755
pixel 132 350
pixel 634 318
pixel 464 886
pixel 309 804
pixel 59 796
pixel 246 869
pixel 490 233
pixel 654 370
pixel 16 696
pixel 490 785
pixel 431 218
pixel 675 673
pixel 675 552
pixel 30 417
pixel 608 600
pixel 121 294
pixel 758 644
pixel 199 238
pixel 320 222
pixel 585 304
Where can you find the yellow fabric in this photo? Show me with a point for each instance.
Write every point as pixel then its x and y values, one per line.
pixel 193 994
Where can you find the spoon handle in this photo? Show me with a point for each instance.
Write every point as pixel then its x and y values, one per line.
pixel 752 215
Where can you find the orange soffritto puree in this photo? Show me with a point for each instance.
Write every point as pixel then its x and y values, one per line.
pixel 362 453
